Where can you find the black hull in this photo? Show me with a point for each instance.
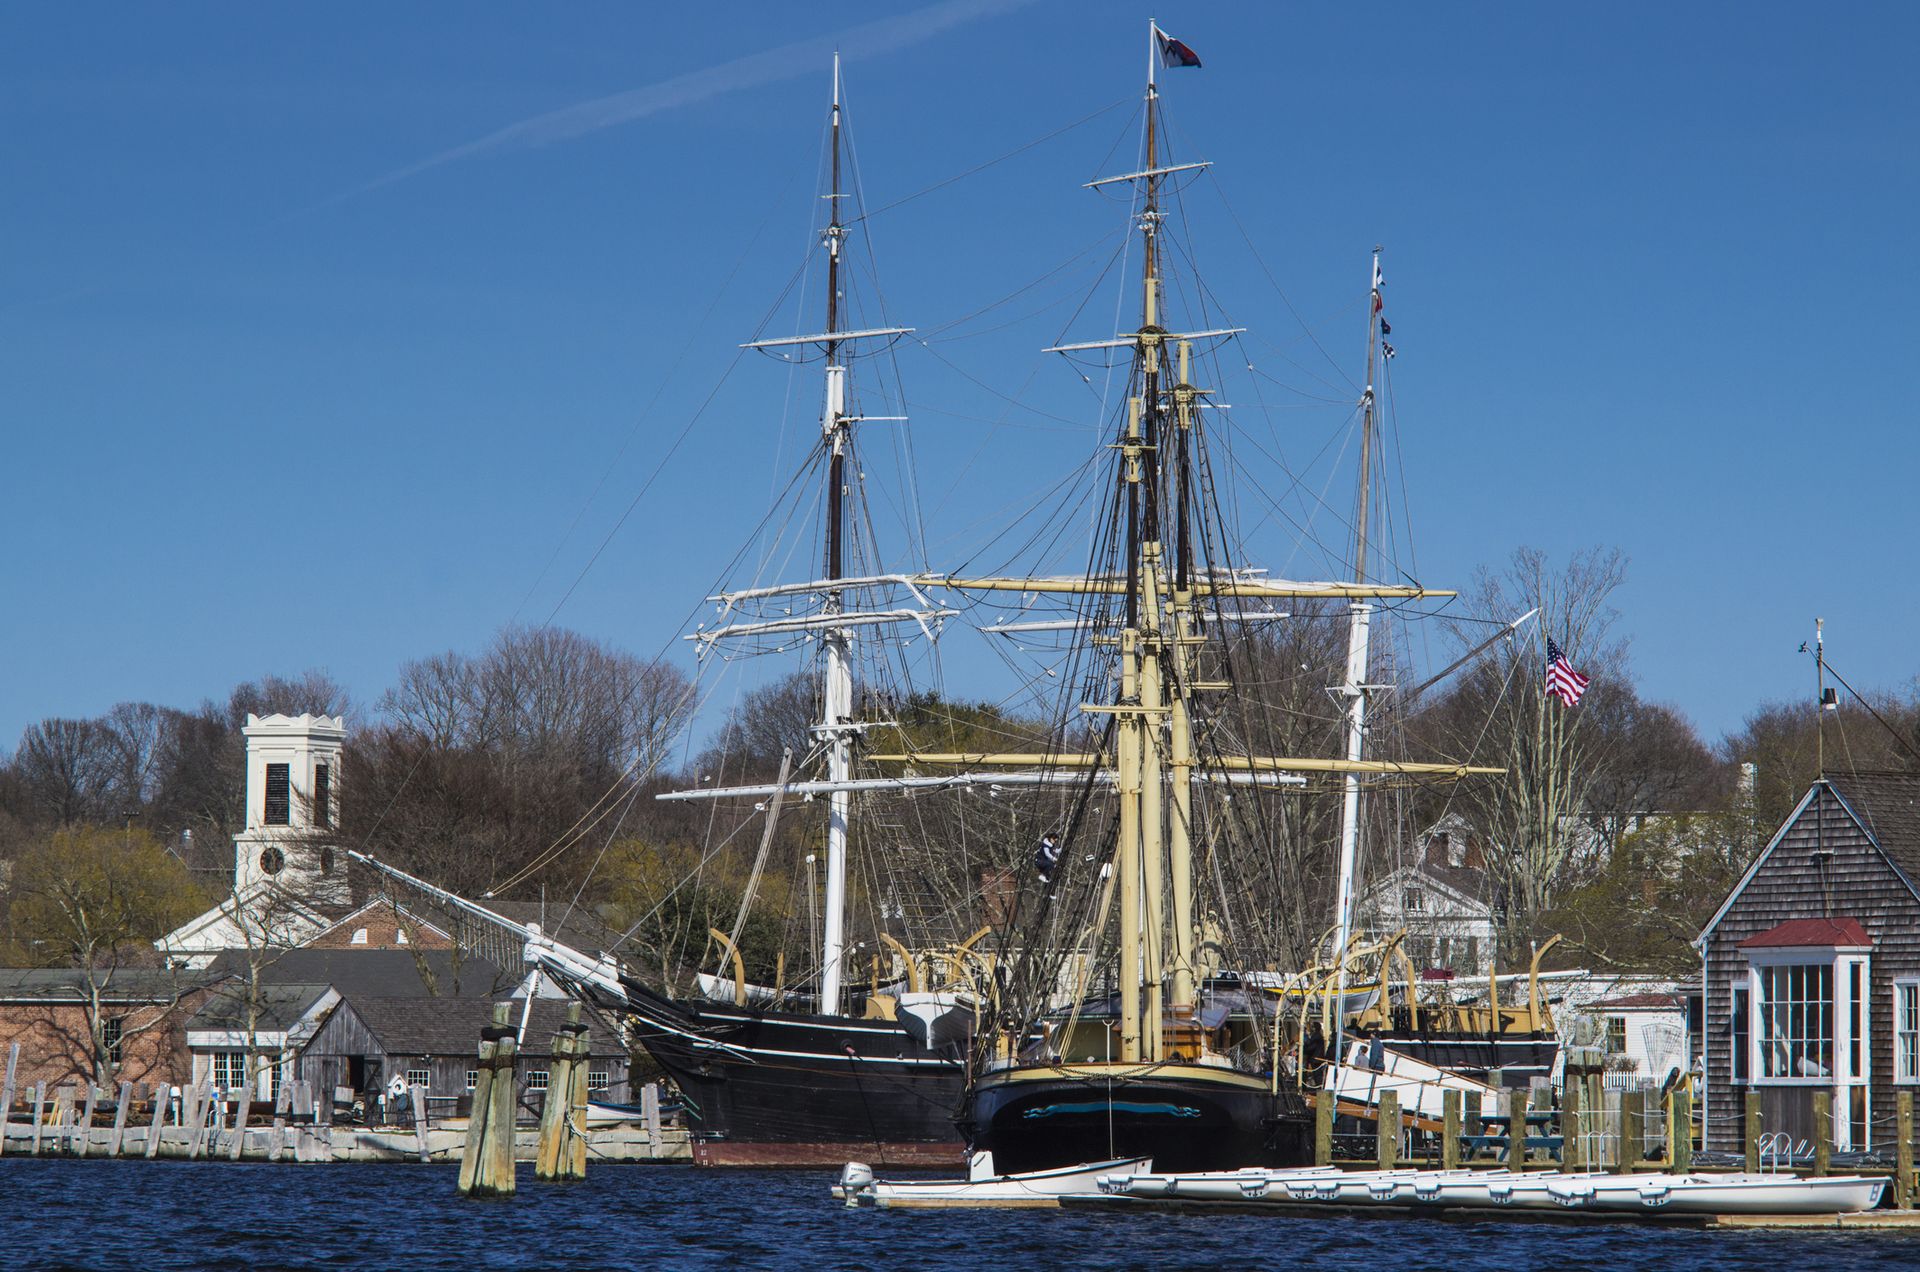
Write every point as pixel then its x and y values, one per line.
pixel 1185 1119
pixel 773 1088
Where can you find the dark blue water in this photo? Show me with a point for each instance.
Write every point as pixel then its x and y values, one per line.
pixel 76 1214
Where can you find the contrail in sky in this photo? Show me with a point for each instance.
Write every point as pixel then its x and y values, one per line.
pixel 803 57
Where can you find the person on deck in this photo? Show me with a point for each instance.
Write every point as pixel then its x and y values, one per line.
pixel 1046 858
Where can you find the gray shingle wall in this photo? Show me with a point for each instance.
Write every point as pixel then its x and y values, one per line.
pixel 1859 883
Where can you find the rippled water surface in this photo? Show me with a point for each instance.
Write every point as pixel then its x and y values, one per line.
pixel 77 1214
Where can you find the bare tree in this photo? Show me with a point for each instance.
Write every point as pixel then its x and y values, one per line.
pixel 1535 819
pixel 484 763
pixel 69 769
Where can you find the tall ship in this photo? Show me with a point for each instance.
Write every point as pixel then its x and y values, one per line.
pixel 1134 1020
pixel 1092 979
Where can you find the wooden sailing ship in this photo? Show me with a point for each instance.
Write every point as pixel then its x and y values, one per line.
pixel 1159 1067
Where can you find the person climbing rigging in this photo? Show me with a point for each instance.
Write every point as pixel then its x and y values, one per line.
pixel 1046 858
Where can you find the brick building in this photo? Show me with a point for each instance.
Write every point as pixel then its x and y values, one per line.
pixel 142 1013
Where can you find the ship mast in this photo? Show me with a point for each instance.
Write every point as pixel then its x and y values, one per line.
pixel 837 698
pixel 1354 690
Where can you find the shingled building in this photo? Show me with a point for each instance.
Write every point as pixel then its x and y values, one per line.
pixel 1812 967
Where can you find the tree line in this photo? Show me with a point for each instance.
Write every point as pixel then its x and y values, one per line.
pixel 527 768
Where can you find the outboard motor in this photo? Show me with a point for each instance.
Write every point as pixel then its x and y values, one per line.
pixel 856 1182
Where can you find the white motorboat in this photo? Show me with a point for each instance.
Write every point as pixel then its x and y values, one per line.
pixel 982 1187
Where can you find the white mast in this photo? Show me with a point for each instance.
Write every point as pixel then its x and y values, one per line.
pixel 837 707
pixel 1354 690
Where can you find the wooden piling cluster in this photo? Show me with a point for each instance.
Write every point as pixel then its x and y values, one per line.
pixel 486 1165
pixel 563 1132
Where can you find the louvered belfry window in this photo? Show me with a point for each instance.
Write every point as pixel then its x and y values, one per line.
pixel 279 795
pixel 322 797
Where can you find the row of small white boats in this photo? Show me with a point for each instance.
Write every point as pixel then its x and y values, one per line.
pixel 1712 1194
pixel 1640 1193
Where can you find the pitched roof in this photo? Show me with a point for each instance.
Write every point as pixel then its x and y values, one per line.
pixel 378 973
pixel 1889 804
pixel 451 1026
pixel 1640 1002
pixel 1796 933
pixel 279 1007
pixel 124 985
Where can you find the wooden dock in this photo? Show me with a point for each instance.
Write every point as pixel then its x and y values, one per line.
pixel 189 1125
pixel 1892 1221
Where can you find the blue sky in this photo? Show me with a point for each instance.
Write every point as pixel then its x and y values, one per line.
pixel 293 373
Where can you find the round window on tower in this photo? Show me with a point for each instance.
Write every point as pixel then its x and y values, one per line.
pixel 272 859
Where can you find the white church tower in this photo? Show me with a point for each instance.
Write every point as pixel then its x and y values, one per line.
pixel 285 876
pixel 293 770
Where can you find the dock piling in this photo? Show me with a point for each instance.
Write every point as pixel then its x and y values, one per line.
pixel 1903 1151
pixel 6 1094
pixel 486 1162
pixel 650 1116
pixel 1516 1129
pixel 1680 1157
pixel 1386 1137
pixel 63 1120
pixel 1822 1132
pixel 162 1096
pixel 1323 1101
pixel 39 1113
pixel 1572 1148
pixel 1449 1130
pixel 118 1140
pixel 243 1110
pixel 1750 1131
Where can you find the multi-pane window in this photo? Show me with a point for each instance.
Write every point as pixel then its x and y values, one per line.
pixel 322 796
pixel 1906 1031
pixel 1413 901
pixel 419 1077
pixel 1741 1032
pixel 597 1079
pixel 537 1080
pixel 229 1070
pixel 1796 1020
pixel 112 1030
pixel 279 810
pixel 1616 1035
pixel 473 1078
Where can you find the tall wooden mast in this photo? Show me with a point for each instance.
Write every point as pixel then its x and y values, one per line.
pixel 1354 690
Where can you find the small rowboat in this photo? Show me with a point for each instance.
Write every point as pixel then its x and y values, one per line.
pixel 982 1187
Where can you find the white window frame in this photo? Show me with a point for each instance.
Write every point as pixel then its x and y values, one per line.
pixel 598 1079
pixel 1741 1009
pixel 473 1079
pixel 1906 1033
pixel 227 1069
pixel 420 1077
pixel 1839 962
pixel 537 1079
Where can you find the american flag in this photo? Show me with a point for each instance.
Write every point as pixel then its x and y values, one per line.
pixel 1563 682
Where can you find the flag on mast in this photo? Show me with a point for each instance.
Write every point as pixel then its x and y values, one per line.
pixel 1563 682
pixel 1173 52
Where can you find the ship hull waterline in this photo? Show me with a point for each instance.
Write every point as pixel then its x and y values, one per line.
pixel 1042 1118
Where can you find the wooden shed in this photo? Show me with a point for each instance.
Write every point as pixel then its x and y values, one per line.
pixel 369 1041
pixel 1811 967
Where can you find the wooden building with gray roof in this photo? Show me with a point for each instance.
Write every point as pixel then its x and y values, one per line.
pixel 1811 967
